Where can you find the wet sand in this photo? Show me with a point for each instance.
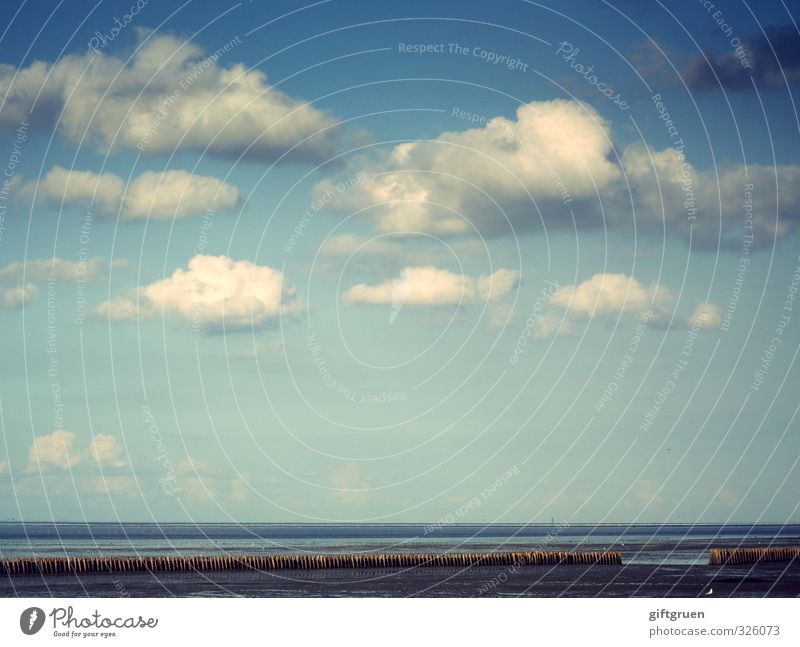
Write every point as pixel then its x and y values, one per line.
pixel 773 580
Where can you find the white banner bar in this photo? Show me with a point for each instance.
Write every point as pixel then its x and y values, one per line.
pixel 402 622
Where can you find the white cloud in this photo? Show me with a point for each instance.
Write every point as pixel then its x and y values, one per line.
pixel 60 449
pixel 15 298
pixel 550 146
pixel 168 194
pixel 106 451
pixel 553 323
pixel 706 316
pixel 667 191
pixel 214 292
pixel 57 449
pixel 3 467
pixel 79 188
pixel 177 194
pixel 431 286
pixel 168 96
pixel 609 296
pixel 555 164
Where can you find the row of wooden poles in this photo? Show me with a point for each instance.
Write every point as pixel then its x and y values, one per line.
pixel 722 556
pixel 65 565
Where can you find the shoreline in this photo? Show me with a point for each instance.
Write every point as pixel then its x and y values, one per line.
pixel 765 580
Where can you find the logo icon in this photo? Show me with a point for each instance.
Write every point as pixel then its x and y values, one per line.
pixel 31 620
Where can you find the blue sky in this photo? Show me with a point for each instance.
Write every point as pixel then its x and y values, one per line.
pixel 349 261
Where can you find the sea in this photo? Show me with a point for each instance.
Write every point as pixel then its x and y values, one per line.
pixel 659 560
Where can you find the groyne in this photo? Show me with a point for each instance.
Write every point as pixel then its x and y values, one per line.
pixel 200 563
pixel 723 556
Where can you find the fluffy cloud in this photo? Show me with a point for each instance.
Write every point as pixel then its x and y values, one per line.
pixel 15 298
pixel 666 190
pixel 169 194
pixel 431 286
pixel 610 296
pixel 105 450
pixel 214 293
pixel 57 449
pixel 706 316
pixel 552 151
pixel 60 449
pixel 3 467
pixel 556 165
pixel 169 95
pixel 79 188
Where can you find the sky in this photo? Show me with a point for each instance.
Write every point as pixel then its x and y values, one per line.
pixel 348 261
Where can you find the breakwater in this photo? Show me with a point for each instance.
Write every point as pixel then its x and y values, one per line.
pixel 722 556
pixel 165 564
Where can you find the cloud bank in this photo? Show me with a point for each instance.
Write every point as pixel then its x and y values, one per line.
pixel 169 95
pixel 556 165
pixel 771 59
pixel 168 194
